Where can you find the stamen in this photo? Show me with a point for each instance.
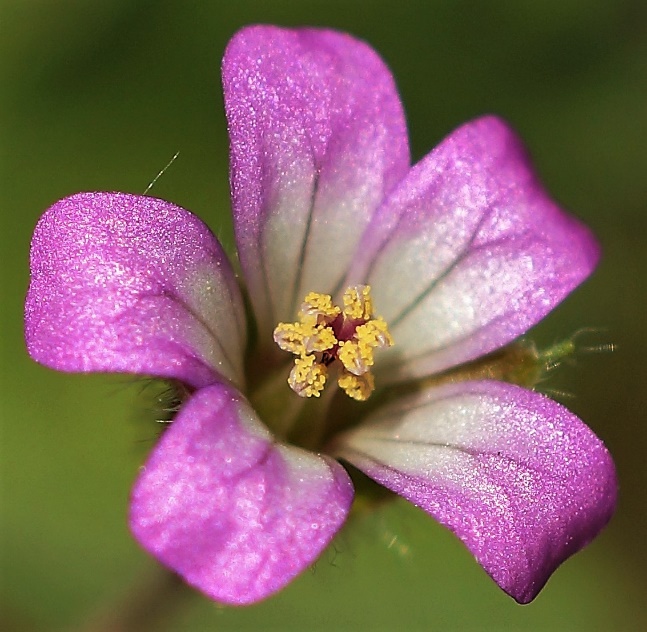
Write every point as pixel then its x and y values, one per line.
pixel 307 377
pixel 304 337
pixel 356 356
pixel 317 305
pixel 375 333
pixel 327 336
pixel 357 303
pixel 358 387
pixel 322 339
pixel 290 337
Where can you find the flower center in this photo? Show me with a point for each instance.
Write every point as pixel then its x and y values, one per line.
pixel 330 340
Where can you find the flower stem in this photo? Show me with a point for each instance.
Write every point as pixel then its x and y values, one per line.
pixel 145 607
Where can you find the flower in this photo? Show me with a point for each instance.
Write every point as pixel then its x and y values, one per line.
pixel 373 274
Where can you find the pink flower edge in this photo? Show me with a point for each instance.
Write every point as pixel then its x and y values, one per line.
pixel 128 283
pixel 232 511
pixel 465 251
pixel 517 477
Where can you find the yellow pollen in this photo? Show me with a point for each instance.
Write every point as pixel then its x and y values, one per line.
pixel 307 377
pixel 357 303
pixel 322 339
pixel 356 356
pixel 304 337
pixel 375 333
pixel 327 336
pixel 317 305
pixel 358 387
pixel 290 337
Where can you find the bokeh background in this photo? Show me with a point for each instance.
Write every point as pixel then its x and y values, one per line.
pixel 100 95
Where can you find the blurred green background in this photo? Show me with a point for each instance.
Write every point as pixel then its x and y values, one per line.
pixel 100 95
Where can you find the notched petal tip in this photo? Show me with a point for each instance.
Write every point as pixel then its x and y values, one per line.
pixel 469 251
pixel 235 514
pixel 499 142
pixel 518 478
pixel 130 283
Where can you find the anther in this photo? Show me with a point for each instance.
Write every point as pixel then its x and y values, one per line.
pixel 342 339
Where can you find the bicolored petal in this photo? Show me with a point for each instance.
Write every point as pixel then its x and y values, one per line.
pixel 234 513
pixel 132 284
pixel 318 138
pixel 468 253
pixel 519 479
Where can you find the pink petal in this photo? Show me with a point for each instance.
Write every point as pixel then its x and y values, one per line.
pixel 317 139
pixel 235 514
pixel 519 479
pixel 132 284
pixel 469 252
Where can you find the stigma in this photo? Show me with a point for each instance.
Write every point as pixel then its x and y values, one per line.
pixel 332 341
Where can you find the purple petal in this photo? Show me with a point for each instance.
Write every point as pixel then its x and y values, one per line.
pixel 519 479
pixel 235 514
pixel 469 252
pixel 132 284
pixel 317 139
